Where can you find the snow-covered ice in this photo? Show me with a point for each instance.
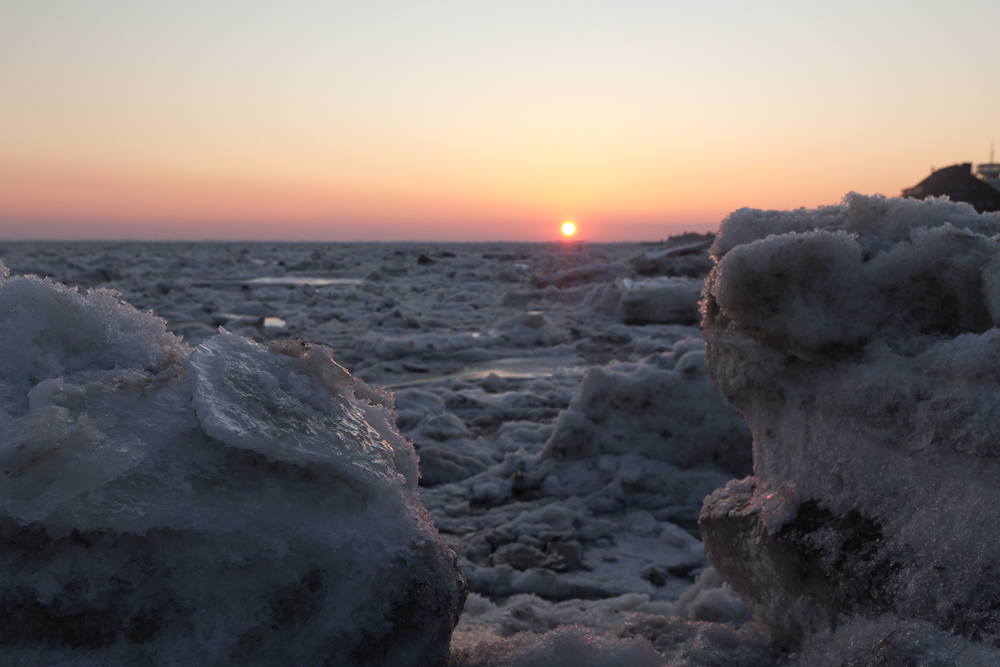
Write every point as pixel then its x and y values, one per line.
pixel 496 354
pixel 861 343
pixel 559 400
pixel 230 504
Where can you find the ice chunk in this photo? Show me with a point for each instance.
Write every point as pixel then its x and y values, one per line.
pixel 47 458
pixel 711 599
pixel 860 343
pixel 529 329
pixel 588 273
pixel 230 505
pixel 684 255
pixel 296 410
pixel 663 408
pixel 48 330
pixel 660 300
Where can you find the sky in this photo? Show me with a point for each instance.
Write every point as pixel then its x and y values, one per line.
pixel 475 120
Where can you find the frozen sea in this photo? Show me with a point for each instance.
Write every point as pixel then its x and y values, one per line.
pixel 291 452
pixel 555 394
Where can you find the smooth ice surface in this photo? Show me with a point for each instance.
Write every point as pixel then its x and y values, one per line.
pixel 248 397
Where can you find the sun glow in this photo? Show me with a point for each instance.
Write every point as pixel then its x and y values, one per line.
pixel 569 228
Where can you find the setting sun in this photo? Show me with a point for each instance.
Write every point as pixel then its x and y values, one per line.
pixel 569 228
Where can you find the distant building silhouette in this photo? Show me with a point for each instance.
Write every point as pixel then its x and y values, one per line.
pixel 959 184
pixel 990 172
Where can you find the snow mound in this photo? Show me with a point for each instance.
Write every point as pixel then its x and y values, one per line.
pixel 227 505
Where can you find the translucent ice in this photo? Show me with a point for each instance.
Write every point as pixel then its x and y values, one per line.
pixel 269 401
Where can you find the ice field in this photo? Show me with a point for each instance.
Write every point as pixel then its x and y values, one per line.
pixel 237 482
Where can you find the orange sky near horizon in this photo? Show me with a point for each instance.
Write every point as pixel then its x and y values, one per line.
pixel 474 121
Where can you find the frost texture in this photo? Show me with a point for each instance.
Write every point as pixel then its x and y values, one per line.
pixel 860 343
pixel 230 505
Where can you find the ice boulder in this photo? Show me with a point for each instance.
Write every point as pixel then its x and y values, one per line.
pixel 227 505
pixel 861 343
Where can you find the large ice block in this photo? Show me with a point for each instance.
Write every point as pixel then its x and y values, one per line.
pixel 860 341
pixel 233 504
